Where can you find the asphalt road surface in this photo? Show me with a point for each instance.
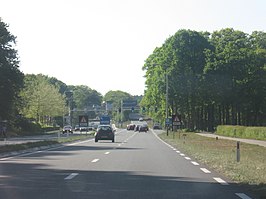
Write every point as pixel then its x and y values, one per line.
pixel 136 166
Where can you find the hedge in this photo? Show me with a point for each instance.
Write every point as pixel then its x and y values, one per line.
pixel 258 133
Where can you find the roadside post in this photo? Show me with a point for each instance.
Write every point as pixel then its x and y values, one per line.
pixel 168 121
pixel 58 134
pixel 184 138
pixel 238 151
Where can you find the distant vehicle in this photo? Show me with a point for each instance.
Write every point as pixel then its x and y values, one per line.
pixel 104 132
pixel 157 126
pixel 76 128
pixel 131 127
pixel 83 128
pixel 143 128
pixel 67 129
pixel 90 128
pixel 137 127
pixel 114 127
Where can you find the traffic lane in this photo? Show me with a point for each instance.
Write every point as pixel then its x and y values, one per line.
pixel 138 173
pixel 106 180
pixel 69 155
pixel 46 174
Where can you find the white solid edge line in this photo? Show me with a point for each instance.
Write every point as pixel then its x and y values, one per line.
pixel 221 181
pixel 243 196
pixel 71 176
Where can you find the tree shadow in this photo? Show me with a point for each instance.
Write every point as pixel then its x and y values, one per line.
pixel 27 181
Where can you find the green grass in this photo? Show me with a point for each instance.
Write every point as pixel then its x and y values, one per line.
pixel 220 155
pixel 258 133
pixel 29 145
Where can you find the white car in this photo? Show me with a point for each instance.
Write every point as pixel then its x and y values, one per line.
pixel 68 129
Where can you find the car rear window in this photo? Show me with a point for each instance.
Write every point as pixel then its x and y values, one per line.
pixel 105 129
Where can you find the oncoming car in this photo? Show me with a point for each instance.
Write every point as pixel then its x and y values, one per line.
pixel 67 129
pixel 104 132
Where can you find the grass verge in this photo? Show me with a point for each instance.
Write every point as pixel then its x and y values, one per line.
pixel 29 145
pixel 220 155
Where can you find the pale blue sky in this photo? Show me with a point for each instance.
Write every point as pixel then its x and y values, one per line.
pixel 103 43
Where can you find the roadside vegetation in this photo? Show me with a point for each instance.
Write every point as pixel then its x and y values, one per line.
pixel 210 79
pixel 220 155
pixel 45 143
pixel 249 132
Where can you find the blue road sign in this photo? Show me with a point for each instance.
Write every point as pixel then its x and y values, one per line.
pixel 168 121
pixel 105 120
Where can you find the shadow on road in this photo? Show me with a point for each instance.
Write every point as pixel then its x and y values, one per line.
pixel 36 181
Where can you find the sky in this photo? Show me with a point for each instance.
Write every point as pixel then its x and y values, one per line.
pixel 103 44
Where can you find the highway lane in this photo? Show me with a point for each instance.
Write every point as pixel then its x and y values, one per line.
pixel 137 165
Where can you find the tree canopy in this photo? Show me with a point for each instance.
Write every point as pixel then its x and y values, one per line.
pixel 11 78
pixel 41 99
pixel 216 78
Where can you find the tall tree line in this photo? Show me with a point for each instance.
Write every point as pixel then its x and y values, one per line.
pixel 214 78
pixel 11 78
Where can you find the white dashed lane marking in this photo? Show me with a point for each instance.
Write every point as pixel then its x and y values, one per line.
pixel 243 196
pixel 205 170
pixel 95 160
pixel 71 176
pixel 106 153
pixel 221 181
pixel 195 163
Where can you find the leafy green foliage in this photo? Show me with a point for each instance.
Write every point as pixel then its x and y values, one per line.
pixel 41 99
pixel 11 78
pixel 216 78
pixel 242 132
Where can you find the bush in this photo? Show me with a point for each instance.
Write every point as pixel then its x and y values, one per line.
pixel 26 127
pixel 242 131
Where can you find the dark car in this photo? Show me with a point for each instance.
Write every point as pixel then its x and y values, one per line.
pixel 104 132
pixel 157 126
pixel 143 128
pixel 76 128
pixel 67 129
pixel 83 129
pixel 131 127
pixel 137 127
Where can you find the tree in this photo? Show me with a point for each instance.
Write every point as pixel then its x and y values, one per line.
pixel 115 98
pixel 85 97
pixel 41 99
pixel 217 78
pixel 11 78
